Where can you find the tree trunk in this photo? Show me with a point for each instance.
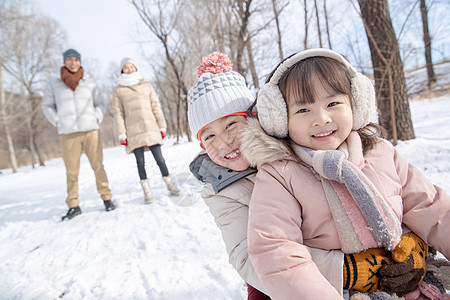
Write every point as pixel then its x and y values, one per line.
pixel 325 11
pixel 277 22
pixel 318 23
pixel 305 11
pixel 388 70
pixel 31 136
pixel 251 61
pixel 244 15
pixel 178 113
pixel 35 106
pixel 427 41
pixel 4 116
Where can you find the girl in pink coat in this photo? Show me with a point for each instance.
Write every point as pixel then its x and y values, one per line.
pixel 326 179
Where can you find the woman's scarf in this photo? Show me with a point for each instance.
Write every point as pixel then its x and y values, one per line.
pixel 362 216
pixel 71 79
pixel 129 79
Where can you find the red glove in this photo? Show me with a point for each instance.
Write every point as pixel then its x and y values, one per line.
pixel 163 134
pixel 124 142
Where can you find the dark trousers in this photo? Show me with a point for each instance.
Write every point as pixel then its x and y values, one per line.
pixel 254 294
pixel 157 154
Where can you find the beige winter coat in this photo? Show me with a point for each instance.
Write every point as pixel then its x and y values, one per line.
pixel 230 210
pixel 289 211
pixel 137 113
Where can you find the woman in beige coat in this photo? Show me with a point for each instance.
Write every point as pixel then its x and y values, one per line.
pixel 140 123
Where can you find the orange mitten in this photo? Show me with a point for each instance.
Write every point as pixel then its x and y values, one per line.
pixel 407 271
pixel 361 269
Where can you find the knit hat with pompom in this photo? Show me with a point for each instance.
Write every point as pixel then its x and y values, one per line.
pixel 218 92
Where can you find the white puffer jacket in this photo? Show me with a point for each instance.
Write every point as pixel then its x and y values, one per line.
pixel 73 111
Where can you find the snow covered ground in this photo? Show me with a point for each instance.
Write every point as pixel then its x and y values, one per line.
pixel 157 251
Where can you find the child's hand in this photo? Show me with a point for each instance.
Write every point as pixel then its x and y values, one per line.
pixel 406 275
pixel 361 269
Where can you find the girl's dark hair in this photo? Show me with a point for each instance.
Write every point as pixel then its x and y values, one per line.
pixel 298 84
pixel 370 135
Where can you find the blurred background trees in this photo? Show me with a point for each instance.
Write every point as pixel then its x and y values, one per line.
pixel 379 38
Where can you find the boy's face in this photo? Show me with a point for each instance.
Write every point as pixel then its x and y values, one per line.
pixel 222 139
pixel 72 64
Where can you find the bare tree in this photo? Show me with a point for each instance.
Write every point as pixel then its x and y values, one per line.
pixel 276 13
pixel 319 32
pixel 388 70
pixel 327 27
pixel 3 103
pixel 5 123
pixel 306 20
pixel 30 43
pixel 242 10
pixel 245 11
pixel 162 24
pixel 251 61
pixel 427 42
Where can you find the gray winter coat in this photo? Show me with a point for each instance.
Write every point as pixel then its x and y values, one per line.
pixel 73 111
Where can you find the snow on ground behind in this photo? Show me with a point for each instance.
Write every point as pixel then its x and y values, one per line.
pixel 157 251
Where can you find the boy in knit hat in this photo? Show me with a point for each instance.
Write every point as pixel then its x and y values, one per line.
pixel 217 109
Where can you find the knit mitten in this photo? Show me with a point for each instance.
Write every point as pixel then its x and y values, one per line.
pixel 361 270
pixel 411 244
pixel 407 274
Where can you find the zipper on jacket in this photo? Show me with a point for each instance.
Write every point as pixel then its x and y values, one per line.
pixel 75 104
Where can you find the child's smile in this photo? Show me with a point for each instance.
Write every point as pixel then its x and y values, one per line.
pixel 221 139
pixel 324 135
pixel 233 154
pixel 322 125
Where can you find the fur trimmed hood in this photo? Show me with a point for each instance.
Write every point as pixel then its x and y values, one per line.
pixel 258 147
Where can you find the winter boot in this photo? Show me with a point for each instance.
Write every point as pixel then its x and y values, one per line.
pixel 173 189
pixel 73 212
pixel 109 205
pixel 147 191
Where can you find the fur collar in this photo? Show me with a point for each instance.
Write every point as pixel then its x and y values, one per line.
pixel 259 148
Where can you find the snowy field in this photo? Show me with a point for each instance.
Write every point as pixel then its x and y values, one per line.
pixel 158 251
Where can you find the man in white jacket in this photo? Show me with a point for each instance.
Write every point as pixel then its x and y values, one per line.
pixel 72 105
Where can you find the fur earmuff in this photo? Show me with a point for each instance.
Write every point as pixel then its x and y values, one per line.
pixel 272 109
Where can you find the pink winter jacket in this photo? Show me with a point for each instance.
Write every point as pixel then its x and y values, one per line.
pixel 288 211
pixel 230 210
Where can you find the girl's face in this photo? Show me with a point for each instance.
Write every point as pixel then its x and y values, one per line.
pixel 128 68
pixel 322 125
pixel 222 139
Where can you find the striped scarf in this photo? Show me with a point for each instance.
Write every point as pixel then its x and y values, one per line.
pixel 362 216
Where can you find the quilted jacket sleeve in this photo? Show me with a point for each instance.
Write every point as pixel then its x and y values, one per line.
pixel 275 243
pixel 426 207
